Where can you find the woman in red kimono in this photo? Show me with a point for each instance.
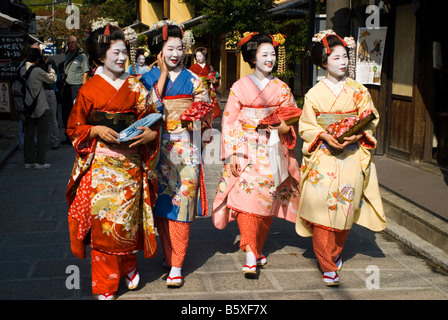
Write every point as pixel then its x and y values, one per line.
pixel 112 187
pixel 208 75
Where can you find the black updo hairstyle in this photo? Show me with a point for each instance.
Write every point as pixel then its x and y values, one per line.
pixel 158 37
pixel 98 43
pixel 318 51
pixel 33 54
pixel 202 50
pixel 249 49
pixel 139 52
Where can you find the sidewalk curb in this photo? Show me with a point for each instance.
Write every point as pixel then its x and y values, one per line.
pixel 421 247
pixel 416 228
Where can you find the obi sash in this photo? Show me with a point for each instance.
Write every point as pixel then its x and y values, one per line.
pixel 117 121
pixel 252 115
pixel 172 110
pixel 325 119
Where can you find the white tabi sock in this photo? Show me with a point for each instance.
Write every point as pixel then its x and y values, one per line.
pixel 175 272
pixel 250 259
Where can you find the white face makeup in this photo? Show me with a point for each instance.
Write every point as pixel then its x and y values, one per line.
pixel 265 58
pixel 200 57
pixel 173 52
pixel 141 60
pixel 337 62
pixel 115 59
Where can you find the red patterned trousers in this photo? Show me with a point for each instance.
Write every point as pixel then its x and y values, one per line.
pixel 327 244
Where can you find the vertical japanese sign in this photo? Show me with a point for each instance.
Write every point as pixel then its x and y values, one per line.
pixel 5 105
pixel 10 54
pixel 369 57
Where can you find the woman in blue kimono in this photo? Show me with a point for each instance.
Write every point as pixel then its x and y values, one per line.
pixel 181 185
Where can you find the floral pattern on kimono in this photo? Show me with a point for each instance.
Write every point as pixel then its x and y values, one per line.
pixel 254 190
pixel 338 188
pixel 181 182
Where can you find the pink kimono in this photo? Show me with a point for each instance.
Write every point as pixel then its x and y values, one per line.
pixel 254 191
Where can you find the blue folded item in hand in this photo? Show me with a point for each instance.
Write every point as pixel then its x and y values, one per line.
pixel 132 130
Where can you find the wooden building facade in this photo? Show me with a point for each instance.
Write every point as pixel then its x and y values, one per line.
pixel 413 96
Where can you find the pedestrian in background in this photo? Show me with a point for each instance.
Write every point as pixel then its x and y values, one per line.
pixel 53 124
pixel 38 120
pixel 75 73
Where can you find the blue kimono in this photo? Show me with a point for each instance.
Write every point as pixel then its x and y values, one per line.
pixel 180 176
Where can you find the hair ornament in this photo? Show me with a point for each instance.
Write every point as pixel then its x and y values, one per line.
pixel 201 48
pixel 246 38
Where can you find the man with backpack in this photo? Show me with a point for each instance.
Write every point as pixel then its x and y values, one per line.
pixel 36 108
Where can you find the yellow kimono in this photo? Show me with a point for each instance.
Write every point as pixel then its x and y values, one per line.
pixel 337 188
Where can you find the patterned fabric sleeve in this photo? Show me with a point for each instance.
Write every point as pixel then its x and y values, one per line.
pixel 363 101
pixel 233 138
pixel 77 127
pixel 309 129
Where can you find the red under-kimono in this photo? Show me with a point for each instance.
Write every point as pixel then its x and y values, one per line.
pixel 203 73
pixel 112 188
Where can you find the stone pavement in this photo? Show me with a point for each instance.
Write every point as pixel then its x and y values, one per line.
pixel 35 256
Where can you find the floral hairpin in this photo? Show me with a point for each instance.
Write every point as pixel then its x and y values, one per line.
pixel 101 23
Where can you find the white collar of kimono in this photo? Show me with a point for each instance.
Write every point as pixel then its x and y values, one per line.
pixel 335 88
pixel 261 84
pixel 115 83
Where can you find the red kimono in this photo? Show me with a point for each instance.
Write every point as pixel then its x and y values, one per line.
pixel 112 188
pixel 203 73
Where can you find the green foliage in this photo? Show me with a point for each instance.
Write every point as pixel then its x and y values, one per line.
pixel 232 18
pixel 123 11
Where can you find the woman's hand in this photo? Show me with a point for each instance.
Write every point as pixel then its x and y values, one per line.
pixel 161 63
pixel 235 168
pixel 282 127
pixel 146 136
pixel 163 72
pixel 351 139
pixel 190 127
pixel 104 133
pixel 332 142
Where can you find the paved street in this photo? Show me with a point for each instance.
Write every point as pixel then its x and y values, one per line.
pixel 35 253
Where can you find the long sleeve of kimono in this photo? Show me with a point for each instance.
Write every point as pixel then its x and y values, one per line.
pixel 232 133
pixel 200 92
pixel 287 100
pixel 364 101
pixel 309 129
pixel 77 127
pixel 149 81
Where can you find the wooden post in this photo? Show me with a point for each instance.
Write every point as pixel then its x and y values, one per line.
pixel 422 99
pixel 166 9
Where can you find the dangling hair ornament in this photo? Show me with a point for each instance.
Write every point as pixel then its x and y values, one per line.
pixel 279 40
pixel 131 38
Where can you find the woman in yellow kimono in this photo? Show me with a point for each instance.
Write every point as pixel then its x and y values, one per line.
pixel 339 184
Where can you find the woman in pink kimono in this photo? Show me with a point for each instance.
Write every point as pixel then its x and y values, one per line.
pixel 339 184
pixel 260 178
